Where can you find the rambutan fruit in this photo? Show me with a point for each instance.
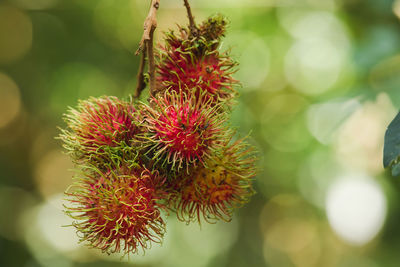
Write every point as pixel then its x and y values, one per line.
pixel 183 130
pixel 174 153
pixel 213 191
pixel 193 63
pixel 213 28
pixel 118 209
pixel 98 127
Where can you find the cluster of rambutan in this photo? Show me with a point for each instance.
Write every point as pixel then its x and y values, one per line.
pixel 174 154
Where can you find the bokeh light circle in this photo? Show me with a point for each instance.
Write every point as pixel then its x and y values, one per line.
pixel 313 66
pixel 52 173
pixel 254 56
pixel 356 208
pixel 10 103
pixel 16 33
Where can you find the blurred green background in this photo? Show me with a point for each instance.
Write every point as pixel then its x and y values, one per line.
pixel 320 84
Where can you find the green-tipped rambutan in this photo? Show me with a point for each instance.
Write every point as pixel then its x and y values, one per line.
pixel 213 28
pixel 183 130
pixel 193 63
pixel 213 191
pixel 99 129
pixel 117 209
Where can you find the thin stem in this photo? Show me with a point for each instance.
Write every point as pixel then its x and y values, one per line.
pixel 192 23
pixel 141 84
pixel 146 43
pixel 152 65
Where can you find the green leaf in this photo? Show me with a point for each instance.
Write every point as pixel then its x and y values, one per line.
pixel 396 169
pixel 391 150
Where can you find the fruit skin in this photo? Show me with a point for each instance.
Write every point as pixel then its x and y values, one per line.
pixel 183 130
pixel 213 191
pixel 119 209
pixel 100 129
pixel 193 63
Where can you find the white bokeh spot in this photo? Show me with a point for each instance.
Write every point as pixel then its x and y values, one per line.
pixel 356 208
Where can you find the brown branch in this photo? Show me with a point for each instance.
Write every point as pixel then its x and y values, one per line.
pixel 150 24
pixel 146 46
pixel 141 84
pixel 152 65
pixel 192 23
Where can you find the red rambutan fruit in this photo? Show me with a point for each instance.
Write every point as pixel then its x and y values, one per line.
pixel 191 63
pixel 117 210
pixel 183 129
pixel 98 124
pixel 213 191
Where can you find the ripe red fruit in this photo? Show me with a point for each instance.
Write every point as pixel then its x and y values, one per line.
pixel 183 129
pixel 98 124
pixel 117 210
pixel 193 63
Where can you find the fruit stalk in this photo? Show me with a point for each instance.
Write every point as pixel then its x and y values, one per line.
pixel 146 43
